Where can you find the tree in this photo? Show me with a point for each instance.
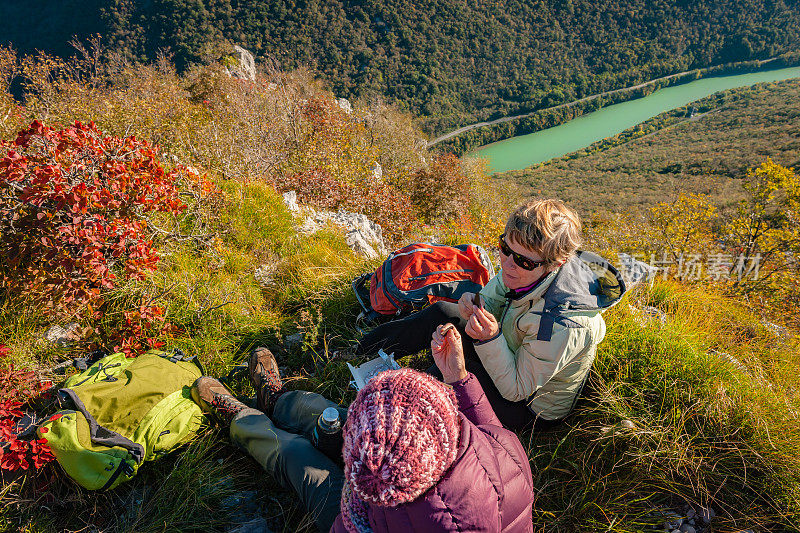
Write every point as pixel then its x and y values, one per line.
pixel 766 224
pixel 683 228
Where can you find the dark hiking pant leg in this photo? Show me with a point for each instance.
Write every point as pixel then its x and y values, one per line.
pixel 294 462
pixel 297 411
pixel 410 334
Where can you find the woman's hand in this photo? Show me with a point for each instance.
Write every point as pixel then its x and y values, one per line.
pixel 448 353
pixel 482 325
pixel 465 305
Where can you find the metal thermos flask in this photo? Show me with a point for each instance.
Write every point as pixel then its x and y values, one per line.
pixel 327 435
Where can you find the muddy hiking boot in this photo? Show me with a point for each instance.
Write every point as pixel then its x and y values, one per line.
pixel 266 378
pixel 213 397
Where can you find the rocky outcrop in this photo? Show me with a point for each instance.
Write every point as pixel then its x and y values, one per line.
pixel 245 64
pixel 290 199
pixel 345 105
pixel 362 235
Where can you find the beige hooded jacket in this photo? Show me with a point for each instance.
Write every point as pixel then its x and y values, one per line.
pixel 549 336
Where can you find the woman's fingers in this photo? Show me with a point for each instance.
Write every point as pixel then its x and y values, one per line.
pixel 486 319
pixel 465 305
pixel 472 329
pixel 481 318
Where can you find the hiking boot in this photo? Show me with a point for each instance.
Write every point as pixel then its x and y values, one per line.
pixel 213 397
pixel 266 378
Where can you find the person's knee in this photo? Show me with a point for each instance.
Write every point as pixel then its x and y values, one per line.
pixel 445 309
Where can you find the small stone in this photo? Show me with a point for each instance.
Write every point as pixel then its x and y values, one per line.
pixel 691 513
pixel 62 336
pixel 265 275
pixel 674 523
pixel 779 331
pixel 293 341
pixel 655 312
pixel 707 514
pixel 377 171
pixel 686 528
pixel 627 424
pixel 290 199
pixel 345 105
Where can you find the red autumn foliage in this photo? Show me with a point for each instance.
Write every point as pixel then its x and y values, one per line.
pixel 16 389
pixel 440 191
pixel 71 213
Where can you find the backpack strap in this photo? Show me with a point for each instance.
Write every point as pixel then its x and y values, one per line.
pixel 177 356
pixel 360 290
pixel 549 318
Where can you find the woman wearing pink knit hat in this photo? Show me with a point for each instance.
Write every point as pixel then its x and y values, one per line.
pixel 419 454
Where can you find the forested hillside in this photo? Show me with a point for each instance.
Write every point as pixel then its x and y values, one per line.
pixel 452 61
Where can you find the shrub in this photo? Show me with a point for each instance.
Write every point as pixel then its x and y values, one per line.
pixel 16 389
pixel 72 215
pixel 440 191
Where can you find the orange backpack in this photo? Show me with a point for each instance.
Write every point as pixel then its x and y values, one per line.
pixel 420 274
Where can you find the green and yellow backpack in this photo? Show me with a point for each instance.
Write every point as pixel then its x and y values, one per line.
pixel 121 412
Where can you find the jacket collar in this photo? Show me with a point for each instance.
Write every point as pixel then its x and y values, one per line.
pixel 533 294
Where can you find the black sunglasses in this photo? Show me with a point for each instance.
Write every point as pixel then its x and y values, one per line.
pixel 521 261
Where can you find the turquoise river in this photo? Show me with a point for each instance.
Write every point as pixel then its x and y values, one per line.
pixel 526 150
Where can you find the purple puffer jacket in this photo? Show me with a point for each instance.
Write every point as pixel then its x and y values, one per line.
pixel 488 487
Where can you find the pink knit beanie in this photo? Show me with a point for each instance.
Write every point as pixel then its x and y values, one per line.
pixel 401 435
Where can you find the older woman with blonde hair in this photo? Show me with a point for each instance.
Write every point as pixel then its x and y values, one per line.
pixel 531 335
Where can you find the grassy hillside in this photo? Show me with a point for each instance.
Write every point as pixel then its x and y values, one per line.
pixel 671 153
pixel 450 61
pixel 697 410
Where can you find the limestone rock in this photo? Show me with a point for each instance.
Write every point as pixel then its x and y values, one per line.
pixel 290 199
pixel 293 341
pixel 646 314
pixel 265 275
pixel 377 171
pixel 245 67
pixel 62 336
pixel 362 235
pixel 707 514
pixel 779 331
pixel 345 104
